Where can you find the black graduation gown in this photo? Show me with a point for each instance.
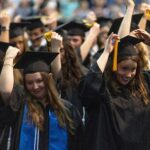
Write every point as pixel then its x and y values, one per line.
pixel 114 122
pixel 87 62
pixel 72 95
pixel 12 117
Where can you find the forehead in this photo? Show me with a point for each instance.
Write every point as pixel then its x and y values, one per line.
pixel 33 76
pixel 74 37
pixel 127 62
pixel 21 37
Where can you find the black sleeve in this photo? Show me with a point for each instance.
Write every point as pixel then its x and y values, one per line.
pixel 76 139
pixel 92 87
pixel 8 113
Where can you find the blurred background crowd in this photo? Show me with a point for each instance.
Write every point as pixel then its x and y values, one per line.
pixel 68 8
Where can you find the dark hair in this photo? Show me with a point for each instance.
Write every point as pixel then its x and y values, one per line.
pixel 72 70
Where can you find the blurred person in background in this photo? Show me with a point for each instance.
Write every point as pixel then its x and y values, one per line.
pixel 24 9
pixel 35 30
pixel 68 8
pixel 100 8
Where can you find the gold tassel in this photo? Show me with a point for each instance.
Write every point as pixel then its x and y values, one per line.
pixel 115 55
pixel 48 36
pixel 147 14
pixel 87 23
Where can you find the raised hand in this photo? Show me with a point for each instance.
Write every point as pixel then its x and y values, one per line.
pixel 142 34
pixel 4 19
pixel 109 45
pixel 91 17
pixel 56 42
pixel 12 52
pixel 95 30
pixel 129 3
pixel 144 7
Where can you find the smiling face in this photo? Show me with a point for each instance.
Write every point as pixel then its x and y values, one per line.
pixel 126 71
pixel 35 85
pixel 34 34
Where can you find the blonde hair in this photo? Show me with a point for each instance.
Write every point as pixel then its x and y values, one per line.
pixel 144 56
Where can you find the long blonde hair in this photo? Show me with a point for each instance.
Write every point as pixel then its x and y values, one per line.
pixel 62 112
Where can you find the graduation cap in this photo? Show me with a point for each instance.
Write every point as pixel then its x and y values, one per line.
pixel 73 28
pixel 60 28
pixel 125 48
pixel 35 62
pixel 17 29
pixel 4 46
pixel 104 21
pixel 117 22
pixel 35 22
pixel 61 21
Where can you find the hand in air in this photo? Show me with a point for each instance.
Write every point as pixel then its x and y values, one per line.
pixel 110 42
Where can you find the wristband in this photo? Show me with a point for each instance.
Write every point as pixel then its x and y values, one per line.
pixel 4 28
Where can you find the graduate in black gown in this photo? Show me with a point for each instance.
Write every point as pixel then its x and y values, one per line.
pixel 35 118
pixel 76 33
pixel 35 29
pixel 67 70
pixel 117 102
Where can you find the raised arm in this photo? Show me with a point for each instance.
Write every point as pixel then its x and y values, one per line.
pixel 91 36
pixel 144 8
pixel 102 61
pixel 124 29
pixel 7 77
pixel 89 41
pixel 92 85
pixel 5 23
pixel 56 46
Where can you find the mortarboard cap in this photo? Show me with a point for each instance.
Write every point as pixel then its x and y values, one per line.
pixel 60 29
pixel 74 28
pixel 60 21
pixel 104 21
pixel 125 42
pixel 35 22
pixel 35 62
pixel 125 48
pixel 17 29
pixel 117 22
pixel 4 46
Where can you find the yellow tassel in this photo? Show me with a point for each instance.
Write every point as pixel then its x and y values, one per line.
pixel 147 14
pixel 48 36
pixel 87 23
pixel 115 55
